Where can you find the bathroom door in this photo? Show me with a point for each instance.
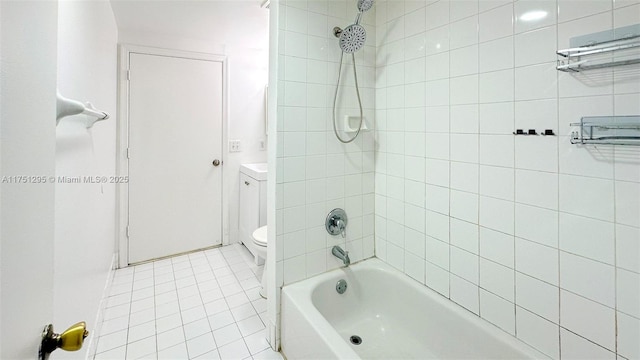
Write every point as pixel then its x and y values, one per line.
pixel 175 136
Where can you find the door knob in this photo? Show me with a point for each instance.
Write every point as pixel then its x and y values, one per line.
pixel 216 162
pixel 70 340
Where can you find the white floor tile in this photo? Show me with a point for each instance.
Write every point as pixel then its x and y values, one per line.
pixel 220 320
pixel 166 297
pixel 115 300
pixel 142 331
pixel 216 306
pixel 196 328
pixel 185 282
pixel 175 352
pixel 117 353
pixel 179 274
pixel 226 335
pixel 227 279
pixel 166 280
pixel 167 309
pixel 142 317
pixel 260 305
pixel 248 284
pixel 143 304
pixel 237 300
pixel 256 342
pixel 250 325
pixel 235 350
pixel 243 311
pixel 141 348
pixel 142 294
pixel 231 289
pixel 168 322
pixel 200 345
pixel 170 338
pixel 187 291
pixel 245 274
pixel 199 305
pixel 190 302
pixel 268 354
pixel 142 284
pixel 117 311
pixel 254 293
pixel 111 341
pixel 264 317
pixel 211 355
pixel 150 356
pixel 113 325
pixel 193 314
pixel 120 289
pixel 209 285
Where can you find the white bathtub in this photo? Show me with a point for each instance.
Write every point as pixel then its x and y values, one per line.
pixel 396 317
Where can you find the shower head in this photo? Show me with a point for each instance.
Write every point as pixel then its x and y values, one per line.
pixel 364 5
pixel 352 38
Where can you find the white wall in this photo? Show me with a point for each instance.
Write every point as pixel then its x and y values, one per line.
pixel 84 213
pixel 246 44
pixel 315 172
pixel 533 234
pixel 27 85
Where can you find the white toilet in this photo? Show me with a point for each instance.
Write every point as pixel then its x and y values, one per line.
pixel 260 242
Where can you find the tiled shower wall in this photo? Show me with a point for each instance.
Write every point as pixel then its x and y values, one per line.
pixel 536 235
pixel 315 172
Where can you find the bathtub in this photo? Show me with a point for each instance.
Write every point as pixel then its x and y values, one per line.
pixel 395 317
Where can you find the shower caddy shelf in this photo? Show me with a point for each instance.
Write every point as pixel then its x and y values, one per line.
pixel 610 130
pixel 590 55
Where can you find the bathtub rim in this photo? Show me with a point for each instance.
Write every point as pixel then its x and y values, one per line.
pixel 300 295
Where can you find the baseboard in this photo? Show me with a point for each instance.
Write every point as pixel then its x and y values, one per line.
pixel 92 345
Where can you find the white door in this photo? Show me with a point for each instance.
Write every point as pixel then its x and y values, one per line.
pixel 175 134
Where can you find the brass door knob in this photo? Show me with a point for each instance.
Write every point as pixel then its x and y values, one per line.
pixel 70 340
pixel 216 162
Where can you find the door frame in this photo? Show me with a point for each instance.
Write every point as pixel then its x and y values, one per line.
pixel 122 139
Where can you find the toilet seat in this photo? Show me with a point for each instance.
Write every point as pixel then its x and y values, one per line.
pixel 260 236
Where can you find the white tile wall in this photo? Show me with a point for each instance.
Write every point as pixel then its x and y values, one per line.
pixel 530 233
pixel 316 173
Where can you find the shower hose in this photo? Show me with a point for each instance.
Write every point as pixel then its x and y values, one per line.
pixel 335 99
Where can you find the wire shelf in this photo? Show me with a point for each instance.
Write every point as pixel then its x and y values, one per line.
pixel 611 130
pixel 610 49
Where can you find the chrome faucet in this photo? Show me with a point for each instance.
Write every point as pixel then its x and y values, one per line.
pixel 341 254
pixel 336 222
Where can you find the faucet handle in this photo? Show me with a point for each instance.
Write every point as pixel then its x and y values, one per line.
pixel 336 222
pixel 342 227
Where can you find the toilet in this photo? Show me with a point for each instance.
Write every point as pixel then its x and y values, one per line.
pixel 260 242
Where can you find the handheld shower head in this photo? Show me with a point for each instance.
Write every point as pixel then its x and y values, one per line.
pixel 352 38
pixel 364 5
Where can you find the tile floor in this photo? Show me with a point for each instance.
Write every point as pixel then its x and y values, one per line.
pixel 203 305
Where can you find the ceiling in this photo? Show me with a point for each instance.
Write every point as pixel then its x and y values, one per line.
pixel 225 21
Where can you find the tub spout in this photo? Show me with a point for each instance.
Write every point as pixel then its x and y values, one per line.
pixel 341 254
